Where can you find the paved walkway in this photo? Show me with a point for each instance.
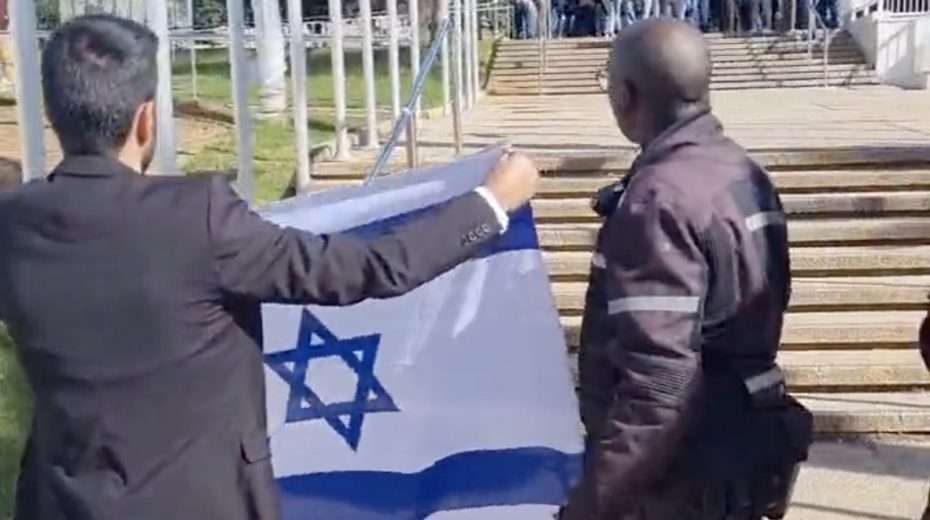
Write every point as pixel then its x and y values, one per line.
pixel 758 119
pixel 886 479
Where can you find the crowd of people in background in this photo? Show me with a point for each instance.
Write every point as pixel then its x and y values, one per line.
pixel 581 18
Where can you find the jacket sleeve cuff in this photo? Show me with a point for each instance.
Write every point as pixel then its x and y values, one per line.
pixel 496 207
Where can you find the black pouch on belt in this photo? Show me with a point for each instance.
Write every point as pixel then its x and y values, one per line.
pixel 786 429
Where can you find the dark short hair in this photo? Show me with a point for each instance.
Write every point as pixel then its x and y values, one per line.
pixel 96 72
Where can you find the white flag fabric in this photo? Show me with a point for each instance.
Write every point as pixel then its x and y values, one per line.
pixel 453 402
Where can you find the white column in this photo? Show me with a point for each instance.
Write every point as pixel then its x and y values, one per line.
pixel 299 94
pixel 165 160
pixel 28 90
pixel 245 179
pixel 475 52
pixel 339 80
pixel 413 10
pixel 368 71
pixel 466 52
pixel 394 57
pixel 272 68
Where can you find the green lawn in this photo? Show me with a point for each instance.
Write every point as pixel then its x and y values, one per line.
pixel 214 74
pixel 274 140
pixel 15 412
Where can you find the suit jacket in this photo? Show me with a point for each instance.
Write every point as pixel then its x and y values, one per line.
pixel 134 302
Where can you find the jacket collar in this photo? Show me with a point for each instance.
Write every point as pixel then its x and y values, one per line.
pixel 91 166
pixel 698 129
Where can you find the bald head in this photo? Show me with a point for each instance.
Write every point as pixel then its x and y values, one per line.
pixel 663 66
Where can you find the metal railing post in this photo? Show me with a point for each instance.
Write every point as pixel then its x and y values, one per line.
pixel 28 97
pixel 368 71
pixel 245 177
pixel 466 52
pixel 413 11
pixel 393 57
pixel 339 81
pixel 412 159
pixel 457 80
pixel 165 162
pixel 299 95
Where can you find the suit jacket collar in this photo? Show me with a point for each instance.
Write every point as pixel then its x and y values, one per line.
pixel 92 166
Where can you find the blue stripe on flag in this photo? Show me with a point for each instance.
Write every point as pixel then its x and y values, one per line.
pixel 519 236
pixel 522 476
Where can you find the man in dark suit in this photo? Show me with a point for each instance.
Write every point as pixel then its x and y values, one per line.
pixel 134 300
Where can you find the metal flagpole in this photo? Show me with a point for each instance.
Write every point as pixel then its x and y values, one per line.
pixel 475 44
pixel 466 52
pixel 339 81
pixel 393 57
pixel 413 10
pixel 457 80
pixel 28 78
pixel 165 161
pixel 368 71
pixel 245 179
pixel 299 94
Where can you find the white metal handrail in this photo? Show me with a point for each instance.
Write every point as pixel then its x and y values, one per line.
pixel 407 118
pixel 815 21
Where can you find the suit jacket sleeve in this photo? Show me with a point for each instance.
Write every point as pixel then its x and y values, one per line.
pixel 655 285
pixel 258 260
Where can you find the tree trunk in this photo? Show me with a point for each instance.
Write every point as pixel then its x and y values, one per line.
pixel 272 68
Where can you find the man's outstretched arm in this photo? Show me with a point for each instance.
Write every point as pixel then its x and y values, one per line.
pixel 259 260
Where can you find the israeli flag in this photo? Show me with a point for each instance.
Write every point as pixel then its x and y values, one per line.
pixel 453 402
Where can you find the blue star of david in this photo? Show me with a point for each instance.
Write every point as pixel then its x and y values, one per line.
pixel 303 404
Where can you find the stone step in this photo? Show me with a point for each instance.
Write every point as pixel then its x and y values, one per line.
pixel 832 158
pixel 869 413
pixel 720 62
pixel 824 232
pixel 580 185
pixel 554 80
pixel 809 294
pixel 554 185
pixel 805 262
pixel 583 71
pixel 845 370
pixel 818 331
pixel 717 53
pixel 715 48
pixel 712 38
pixel 573 163
pixel 797 205
pixel 593 88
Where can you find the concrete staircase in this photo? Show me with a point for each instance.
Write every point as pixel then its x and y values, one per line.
pixel 859 224
pixel 739 63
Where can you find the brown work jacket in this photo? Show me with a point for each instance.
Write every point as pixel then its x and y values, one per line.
pixel 688 286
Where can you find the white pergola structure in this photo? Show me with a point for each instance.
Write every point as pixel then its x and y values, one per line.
pixel 459 90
